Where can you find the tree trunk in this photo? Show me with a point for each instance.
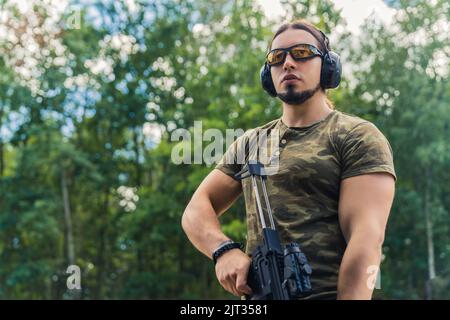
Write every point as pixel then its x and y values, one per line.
pixel 102 250
pixel 67 219
pixel 181 264
pixel 137 154
pixel 74 294
pixel 430 244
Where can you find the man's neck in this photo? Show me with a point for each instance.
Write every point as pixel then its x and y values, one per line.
pixel 307 113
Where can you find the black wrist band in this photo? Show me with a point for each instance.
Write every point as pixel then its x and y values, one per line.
pixel 224 248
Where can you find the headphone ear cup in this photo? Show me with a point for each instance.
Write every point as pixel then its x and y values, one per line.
pixel 266 80
pixel 330 76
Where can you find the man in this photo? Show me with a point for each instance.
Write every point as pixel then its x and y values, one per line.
pixel 333 189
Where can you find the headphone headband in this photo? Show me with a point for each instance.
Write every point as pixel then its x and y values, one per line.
pixel 330 74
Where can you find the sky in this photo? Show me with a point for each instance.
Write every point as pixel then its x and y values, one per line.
pixel 353 11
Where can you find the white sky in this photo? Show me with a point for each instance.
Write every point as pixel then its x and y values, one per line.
pixel 354 11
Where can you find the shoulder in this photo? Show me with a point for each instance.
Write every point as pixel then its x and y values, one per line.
pixel 361 146
pixel 344 126
pixel 342 123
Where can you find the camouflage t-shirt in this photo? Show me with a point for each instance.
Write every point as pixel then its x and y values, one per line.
pixel 304 190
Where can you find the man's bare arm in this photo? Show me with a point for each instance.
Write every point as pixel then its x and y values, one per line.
pixel 200 222
pixel 213 197
pixel 364 205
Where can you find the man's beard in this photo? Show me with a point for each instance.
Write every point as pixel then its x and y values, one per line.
pixel 297 97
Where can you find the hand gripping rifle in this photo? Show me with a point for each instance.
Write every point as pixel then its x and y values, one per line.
pixel 275 274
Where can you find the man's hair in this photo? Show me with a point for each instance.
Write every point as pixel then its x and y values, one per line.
pixel 302 24
pixel 324 44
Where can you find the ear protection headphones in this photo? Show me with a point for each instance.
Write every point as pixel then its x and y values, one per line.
pixel 330 74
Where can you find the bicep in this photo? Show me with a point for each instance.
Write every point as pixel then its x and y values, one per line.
pixel 365 202
pixel 220 189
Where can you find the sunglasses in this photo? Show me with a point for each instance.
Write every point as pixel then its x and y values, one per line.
pixel 298 52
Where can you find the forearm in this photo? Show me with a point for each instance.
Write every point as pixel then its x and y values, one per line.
pixel 356 273
pixel 202 227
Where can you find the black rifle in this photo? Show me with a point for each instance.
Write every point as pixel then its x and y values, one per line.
pixel 275 274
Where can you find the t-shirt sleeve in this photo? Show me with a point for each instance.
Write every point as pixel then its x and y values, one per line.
pixel 231 162
pixel 366 150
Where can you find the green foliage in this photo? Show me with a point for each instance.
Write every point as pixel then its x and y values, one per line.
pixel 83 131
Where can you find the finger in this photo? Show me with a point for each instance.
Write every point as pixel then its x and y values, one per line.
pixel 226 282
pixel 232 284
pixel 241 283
pixel 227 285
pixel 229 288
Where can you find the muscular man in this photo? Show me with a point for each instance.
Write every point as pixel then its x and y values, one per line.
pixel 334 187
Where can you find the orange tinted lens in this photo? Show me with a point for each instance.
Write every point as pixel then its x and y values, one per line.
pixel 275 56
pixel 301 52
